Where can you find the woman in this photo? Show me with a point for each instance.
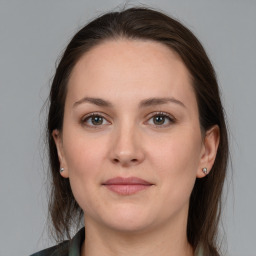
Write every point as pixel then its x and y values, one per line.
pixel 137 140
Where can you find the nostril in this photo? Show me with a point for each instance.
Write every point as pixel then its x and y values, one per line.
pixel 134 160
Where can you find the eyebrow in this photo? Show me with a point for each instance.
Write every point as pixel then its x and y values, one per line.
pixel 144 103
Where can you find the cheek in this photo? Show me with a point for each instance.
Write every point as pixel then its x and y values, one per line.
pixel 83 157
pixel 177 163
pixel 180 151
pixel 82 153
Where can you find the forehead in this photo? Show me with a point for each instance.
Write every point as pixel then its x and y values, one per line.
pixel 135 67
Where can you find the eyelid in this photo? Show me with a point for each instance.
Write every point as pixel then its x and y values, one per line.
pixel 155 113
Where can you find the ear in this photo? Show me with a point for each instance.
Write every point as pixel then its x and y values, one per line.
pixel 59 145
pixel 209 150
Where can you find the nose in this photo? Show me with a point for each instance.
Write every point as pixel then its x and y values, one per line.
pixel 127 147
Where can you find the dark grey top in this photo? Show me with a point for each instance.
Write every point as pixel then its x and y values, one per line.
pixel 73 247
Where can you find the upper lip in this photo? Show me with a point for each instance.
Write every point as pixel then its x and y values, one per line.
pixel 126 181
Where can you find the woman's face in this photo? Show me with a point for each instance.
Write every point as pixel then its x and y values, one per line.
pixel 131 143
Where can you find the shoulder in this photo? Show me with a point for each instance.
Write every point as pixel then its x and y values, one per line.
pixel 60 250
pixel 65 248
pixel 199 251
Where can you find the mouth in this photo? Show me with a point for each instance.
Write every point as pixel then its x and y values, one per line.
pixel 126 186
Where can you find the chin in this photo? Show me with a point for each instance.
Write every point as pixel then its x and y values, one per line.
pixel 130 227
pixel 129 221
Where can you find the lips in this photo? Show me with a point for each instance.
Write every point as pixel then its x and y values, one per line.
pixel 126 186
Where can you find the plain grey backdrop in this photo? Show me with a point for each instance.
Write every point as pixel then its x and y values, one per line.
pixel 33 35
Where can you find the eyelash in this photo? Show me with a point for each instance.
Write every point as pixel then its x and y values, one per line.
pixel 165 115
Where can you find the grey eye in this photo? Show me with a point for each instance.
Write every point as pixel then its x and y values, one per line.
pixel 159 120
pixel 96 120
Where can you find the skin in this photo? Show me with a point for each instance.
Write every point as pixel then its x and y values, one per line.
pixel 129 141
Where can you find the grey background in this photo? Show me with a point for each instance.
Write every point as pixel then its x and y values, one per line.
pixel 32 36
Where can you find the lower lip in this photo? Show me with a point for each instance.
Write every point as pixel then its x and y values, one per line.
pixel 127 189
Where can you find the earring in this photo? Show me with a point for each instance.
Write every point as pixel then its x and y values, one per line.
pixel 204 170
pixel 61 170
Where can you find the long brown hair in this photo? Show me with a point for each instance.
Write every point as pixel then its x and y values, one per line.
pixel 145 24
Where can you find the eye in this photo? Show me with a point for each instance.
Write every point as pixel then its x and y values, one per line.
pixel 161 119
pixel 94 119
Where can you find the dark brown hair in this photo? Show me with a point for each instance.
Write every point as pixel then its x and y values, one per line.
pixel 145 24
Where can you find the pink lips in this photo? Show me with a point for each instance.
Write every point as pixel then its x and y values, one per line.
pixel 126 186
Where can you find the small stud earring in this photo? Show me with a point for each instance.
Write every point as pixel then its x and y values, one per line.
pixel 204 170
pixel 61 170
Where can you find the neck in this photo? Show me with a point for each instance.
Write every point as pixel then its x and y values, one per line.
pixel 164 241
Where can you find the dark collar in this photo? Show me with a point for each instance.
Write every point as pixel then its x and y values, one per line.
pixel 76 242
